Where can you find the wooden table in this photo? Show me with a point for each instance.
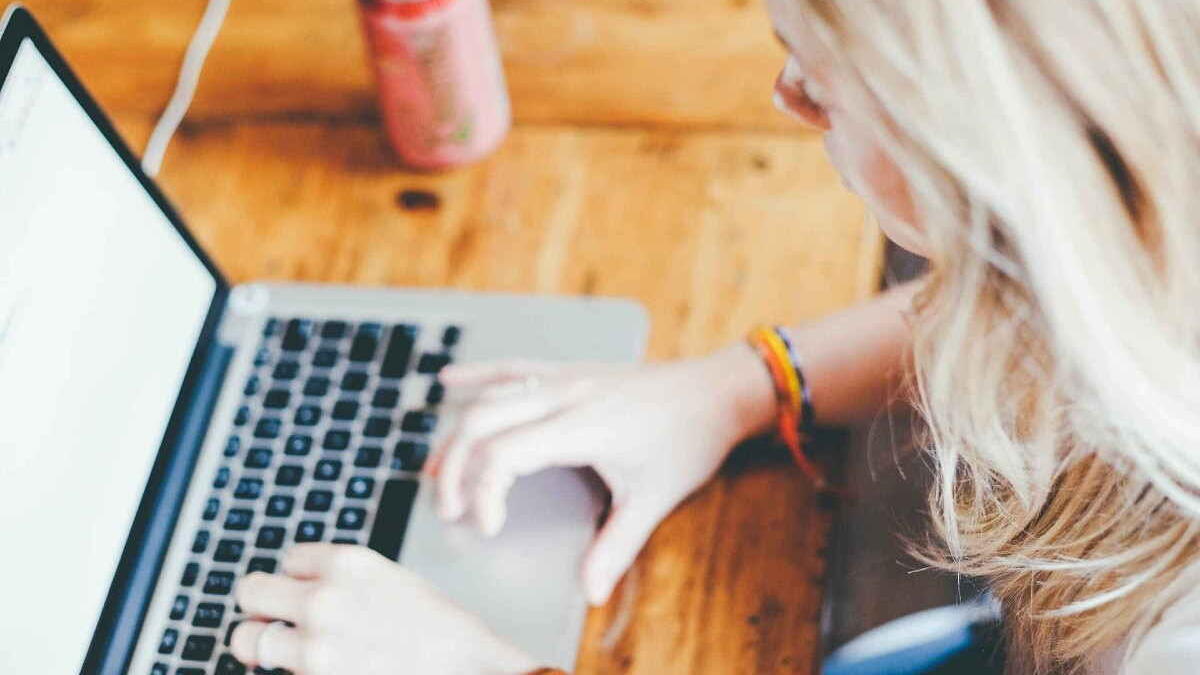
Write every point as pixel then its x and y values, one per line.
pixel 646 162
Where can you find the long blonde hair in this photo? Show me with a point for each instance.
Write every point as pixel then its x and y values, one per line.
pixel 1051 149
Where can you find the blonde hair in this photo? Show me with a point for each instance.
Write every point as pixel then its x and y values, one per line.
pixel 1051 151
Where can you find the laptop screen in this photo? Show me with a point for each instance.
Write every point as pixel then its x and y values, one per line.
pixel 101 306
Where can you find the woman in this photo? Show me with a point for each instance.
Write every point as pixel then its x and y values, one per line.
pixel 1043 156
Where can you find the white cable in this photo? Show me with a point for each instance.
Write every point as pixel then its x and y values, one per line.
pixel 185 88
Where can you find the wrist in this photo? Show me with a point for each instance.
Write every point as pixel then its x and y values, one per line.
pixel 745 391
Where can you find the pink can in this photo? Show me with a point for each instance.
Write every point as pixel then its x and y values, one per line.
pixel 442 93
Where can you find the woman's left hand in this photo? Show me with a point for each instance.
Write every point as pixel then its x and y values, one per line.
pixel 355 611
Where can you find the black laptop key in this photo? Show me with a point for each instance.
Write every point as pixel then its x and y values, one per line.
pixel 268 427
pixel 218 583
pixel 191 572
pixel 363 348
pixel 270 327
pixel 328 469
pixel 351 541
pixel 451 336
pixel 391 518
pixel 211 508
pixel 222 478
pixel 242 416
pixel 354 380
pixel 188 670
pixel 261 564
pixel 270 537
pixel 262 357
pixel 325 358
pixel 386 397
pixel 286 370
pixel 333 330
pixel 368 457
pixel 200 543
pixel 318 500
pixel 372 328
pixel 280 506
pixel 233 446
pixel 208 615
pixel 159 669
pixel 277 398
pixel 351 518
pixel 298 445
pixel 248 488
pixel 258 458
pixel 418 422
pixel 336 439
pixel 253 384
pixel 227 665
pixel 289 475
pixel 179 607
pixel 198 648
pixel 346 409
pixel 239 519
pixel 309 531
pixel 169 639
pixel 360 487
pixel 297 334
pixel 377 427
pixel 432 364
pixel 399 351
pixel 307 416
pixel 317 385
pixel 229 551
pixel 411 454
pixel 230 628
pixel 436 393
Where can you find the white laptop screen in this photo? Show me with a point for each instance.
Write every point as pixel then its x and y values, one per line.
pixel 101 306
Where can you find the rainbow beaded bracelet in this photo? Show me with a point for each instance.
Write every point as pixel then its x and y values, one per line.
pixel 795 420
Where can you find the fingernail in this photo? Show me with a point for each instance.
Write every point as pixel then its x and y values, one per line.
pixel 597 591
pixel 491 525
pixel 452 511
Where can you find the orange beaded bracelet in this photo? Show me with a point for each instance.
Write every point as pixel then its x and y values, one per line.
pixel 794 403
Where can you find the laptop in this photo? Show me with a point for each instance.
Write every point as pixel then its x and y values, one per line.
pixel 165 432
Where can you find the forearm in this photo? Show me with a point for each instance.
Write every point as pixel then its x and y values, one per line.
pixel 853 362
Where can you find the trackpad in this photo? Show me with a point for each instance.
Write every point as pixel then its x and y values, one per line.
pixel 525 582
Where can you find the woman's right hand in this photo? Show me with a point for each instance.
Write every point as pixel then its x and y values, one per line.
pixel 654 434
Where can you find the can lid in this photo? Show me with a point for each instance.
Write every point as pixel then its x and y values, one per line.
pixel 406 9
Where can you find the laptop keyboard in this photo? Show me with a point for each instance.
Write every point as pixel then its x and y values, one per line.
pixel 332 429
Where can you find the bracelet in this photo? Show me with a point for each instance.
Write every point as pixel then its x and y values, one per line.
pixel 807 415
pixel 793 399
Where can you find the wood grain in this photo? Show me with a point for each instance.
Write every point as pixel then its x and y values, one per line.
pixel 664 63
pixel 714 233
pixel 677 187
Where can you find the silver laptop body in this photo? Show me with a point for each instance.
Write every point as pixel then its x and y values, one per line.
pixel 264 420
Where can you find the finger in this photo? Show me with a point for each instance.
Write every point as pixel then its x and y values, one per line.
pixel 617 545
pixel 309 561
pixel 478 423
pixel 272 596
pixel 470 375
pixel 559 441
pixel 268 645
pixel 332 561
